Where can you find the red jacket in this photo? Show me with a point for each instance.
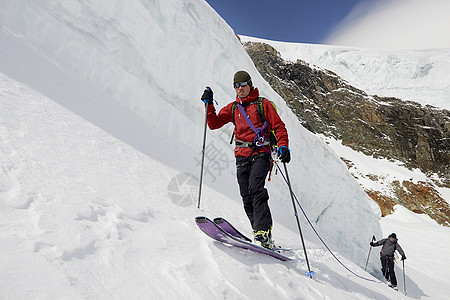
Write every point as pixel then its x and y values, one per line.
pixel 242 131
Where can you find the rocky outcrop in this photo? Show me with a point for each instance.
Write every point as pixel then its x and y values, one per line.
pixel 422 198
pixel 418 136
pixel 385 203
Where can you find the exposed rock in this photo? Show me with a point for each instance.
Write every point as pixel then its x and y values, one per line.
pixel 385 203
pixel 422 198
pixel 349 163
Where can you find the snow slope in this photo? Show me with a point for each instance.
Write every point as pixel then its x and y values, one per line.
pixel 420 76
pixel 86 216
pixel 100 129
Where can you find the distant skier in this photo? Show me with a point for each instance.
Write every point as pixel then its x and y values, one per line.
pixel 253 158
pixel 387 257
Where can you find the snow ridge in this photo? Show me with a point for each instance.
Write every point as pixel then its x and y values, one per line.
pixel 419 76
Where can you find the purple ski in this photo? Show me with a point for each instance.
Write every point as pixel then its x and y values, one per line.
pixel 225 225
pixel 214 231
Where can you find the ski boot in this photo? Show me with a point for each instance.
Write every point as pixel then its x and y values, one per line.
pixel 263 238
pixel 393 286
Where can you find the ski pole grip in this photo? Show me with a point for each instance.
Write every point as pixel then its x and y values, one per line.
pixel 373 238
pixel 209 89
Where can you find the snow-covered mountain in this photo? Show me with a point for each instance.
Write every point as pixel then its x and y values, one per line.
pixel 100 140
pixel 420 75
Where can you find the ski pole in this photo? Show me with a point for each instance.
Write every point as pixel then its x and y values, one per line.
pixel 309 273
pixel 404 277
pixel 367 261
pixel 203 152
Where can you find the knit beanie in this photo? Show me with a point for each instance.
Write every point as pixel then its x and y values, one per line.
pixel 393 235
pixel 242 76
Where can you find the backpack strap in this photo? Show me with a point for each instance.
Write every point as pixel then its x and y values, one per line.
pixel 233 108
pixel 272 137
pixel 260 109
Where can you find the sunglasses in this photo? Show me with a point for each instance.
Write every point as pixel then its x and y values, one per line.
pixel 238 84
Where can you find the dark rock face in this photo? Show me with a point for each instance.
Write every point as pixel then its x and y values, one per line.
pixel 418 136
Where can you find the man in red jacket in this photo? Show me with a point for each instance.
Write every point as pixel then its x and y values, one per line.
pixel 253 158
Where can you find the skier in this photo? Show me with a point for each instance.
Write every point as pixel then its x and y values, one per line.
pixel 253 157
pixel 387 257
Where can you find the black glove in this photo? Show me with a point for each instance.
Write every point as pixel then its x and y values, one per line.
pixel 372 244
pixel 403 257
pixel 284 154
pixel 207 96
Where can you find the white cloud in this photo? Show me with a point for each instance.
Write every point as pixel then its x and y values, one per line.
pixel 396 24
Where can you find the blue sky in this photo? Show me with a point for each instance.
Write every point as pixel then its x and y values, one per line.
pixel 306 21
pixel 385 24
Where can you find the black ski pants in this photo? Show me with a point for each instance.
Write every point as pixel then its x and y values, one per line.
pixel 387 267
pixel 251 175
